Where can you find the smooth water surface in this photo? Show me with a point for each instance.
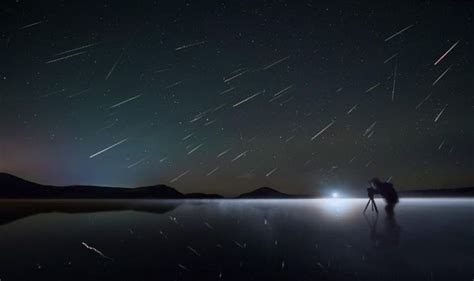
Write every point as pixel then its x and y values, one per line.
pixel 320 239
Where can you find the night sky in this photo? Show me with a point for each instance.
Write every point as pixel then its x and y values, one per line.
pixel 228 96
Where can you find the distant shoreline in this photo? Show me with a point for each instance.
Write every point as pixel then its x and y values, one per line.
pixel 12 187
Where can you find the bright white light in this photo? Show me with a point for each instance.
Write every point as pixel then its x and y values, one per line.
pixel 335 195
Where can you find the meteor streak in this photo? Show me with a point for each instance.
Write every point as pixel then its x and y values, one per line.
pixel 190 45
pixel 196 148
pixel 180 176
pixel 76 49
pixel 441 76
pixel 107 148
pixel 248 98
pixel 66 57
pixel 276 62
pixel 446 53
pixel 31 24
pixel 440 113
pixel 399 32
pixel 322 131
pixel 125 101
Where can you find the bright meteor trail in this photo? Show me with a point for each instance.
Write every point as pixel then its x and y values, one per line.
pixel 125 101
pixel 446 53
pixel 127 94
pixel 107 148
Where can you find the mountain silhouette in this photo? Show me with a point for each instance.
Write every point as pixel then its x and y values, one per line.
pixel 15 187
pixel 198 195
pixel 265 192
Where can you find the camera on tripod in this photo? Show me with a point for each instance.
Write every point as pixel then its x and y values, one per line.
pixel 371 193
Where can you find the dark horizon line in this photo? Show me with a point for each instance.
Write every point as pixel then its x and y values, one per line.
pixel 259 192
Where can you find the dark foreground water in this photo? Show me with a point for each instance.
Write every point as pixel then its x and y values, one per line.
pixel 322 239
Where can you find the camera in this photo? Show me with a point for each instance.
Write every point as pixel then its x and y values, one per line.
pixel 370 192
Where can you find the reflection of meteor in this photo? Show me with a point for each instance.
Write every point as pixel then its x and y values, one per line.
pixel 97 251
pixel 183 267
pixel 194 251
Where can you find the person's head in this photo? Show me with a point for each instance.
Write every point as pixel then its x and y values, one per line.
pixel 374 182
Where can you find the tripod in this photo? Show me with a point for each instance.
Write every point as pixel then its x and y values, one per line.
pixel 374 206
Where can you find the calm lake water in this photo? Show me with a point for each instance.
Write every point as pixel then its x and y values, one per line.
pixel 320 239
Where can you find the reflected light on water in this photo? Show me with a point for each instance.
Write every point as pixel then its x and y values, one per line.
pixel 341 206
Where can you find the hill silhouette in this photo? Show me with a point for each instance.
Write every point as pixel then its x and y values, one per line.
pixel 13 187
pixel 266 192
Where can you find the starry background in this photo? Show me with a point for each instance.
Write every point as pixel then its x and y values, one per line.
pixel 227 96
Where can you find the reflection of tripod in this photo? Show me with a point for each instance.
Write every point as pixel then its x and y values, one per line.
pixel 371 193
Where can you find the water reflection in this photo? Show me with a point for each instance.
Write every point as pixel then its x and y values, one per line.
pixel 320 239
pixel 12 210
pixel 338 206
pixel 386 236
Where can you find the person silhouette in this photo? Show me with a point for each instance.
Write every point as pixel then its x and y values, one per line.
pixel 386 190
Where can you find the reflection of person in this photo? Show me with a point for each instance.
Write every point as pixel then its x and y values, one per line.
pixel 388 237
pixel 386 190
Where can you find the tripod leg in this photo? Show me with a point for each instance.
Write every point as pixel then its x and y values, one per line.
pixel 365 209
pixel 375 206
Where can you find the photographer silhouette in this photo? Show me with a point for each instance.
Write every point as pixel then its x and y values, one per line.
pixel 386 190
